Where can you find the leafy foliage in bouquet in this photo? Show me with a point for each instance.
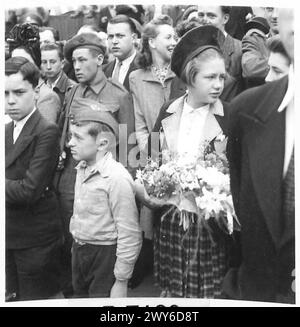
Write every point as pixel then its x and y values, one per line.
pixel 198 185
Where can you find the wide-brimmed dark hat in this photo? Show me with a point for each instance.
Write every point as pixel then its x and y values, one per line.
pixel 84 40
pixel 193 43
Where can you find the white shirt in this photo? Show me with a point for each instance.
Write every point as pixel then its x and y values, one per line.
pixel 288 105
pixel 124 68
pixel 54 83
pixel 191 124
pixel 18 125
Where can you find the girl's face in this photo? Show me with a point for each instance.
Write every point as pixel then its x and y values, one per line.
pixel 164 43
pixel 209 81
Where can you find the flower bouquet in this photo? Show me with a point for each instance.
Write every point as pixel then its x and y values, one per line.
pixel 195 186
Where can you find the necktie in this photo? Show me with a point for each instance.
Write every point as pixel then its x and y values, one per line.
pixel 15 132
pixel 288 193
pixel 117 71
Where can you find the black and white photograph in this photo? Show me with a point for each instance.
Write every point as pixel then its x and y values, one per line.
pixel 149 153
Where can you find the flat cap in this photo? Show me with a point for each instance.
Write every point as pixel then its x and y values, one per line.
pixel 193 43
pixel 83 110
pixel 258 22
pixel 84 40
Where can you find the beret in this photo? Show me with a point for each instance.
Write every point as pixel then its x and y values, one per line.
pixel 193 43
pixel 84 109
pixel 84 40
pixel 258 22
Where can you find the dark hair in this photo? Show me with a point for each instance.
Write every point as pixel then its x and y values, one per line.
pixel 226 9
pixel 275 45
pixel 124 19
pixel 149 32
pixel 53 46
pixel 52 29
pixel 191 69
pixel 136 12
pixel 28 70
pixel 186 25
pixel 26 36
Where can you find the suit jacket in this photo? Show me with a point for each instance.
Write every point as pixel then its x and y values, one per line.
pixel 109 68
pixel 48 103
pixel 63 85
pixel 256 148
pixel 32 216
pixel 232 49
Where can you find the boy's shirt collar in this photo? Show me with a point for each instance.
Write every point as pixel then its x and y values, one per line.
pixel 102 166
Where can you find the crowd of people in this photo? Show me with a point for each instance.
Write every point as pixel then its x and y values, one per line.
pixel 80 115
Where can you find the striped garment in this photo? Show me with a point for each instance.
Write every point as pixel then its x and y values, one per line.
pixel 188 264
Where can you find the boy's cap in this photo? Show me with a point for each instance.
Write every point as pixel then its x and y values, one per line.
pixel 84 40
pixel 193 43
pixel 258 22
pixel 83 109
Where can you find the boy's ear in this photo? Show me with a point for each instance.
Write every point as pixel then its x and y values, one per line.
pixel 102 142
pixel 100 59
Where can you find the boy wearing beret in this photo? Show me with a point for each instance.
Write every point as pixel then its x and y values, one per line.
pixel 104 225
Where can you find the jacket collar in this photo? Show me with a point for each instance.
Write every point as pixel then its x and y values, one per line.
pixel 149 76
pixel 103 166
pixel 171 124
pixel 13 151
pixel 275 92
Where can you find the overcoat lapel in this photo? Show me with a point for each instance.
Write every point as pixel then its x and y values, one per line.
pixel 265 147
pixel 25 138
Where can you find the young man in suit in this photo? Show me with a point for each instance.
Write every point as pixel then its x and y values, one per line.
pixel 33 228
pixel 261 157
pixel 122 35
pixel 52 62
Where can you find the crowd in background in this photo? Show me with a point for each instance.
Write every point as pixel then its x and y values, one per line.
pixel 122 57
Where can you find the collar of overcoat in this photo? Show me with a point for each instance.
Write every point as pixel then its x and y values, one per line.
pixel 265 130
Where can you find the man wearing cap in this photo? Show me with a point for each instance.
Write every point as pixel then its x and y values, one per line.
pixel 86 51
pixel 122 35
pixel 104 224
pixel 255 52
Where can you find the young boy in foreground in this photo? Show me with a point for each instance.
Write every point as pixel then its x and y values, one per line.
pixel 104 225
